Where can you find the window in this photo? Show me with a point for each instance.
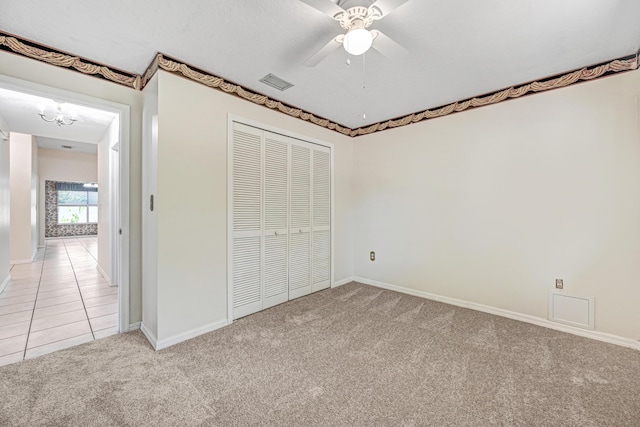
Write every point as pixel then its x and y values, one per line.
pixel 77 207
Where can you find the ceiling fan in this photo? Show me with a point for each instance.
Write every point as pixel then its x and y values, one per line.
pixel 358 38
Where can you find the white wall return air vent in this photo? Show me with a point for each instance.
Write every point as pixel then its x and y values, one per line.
pixel 571 309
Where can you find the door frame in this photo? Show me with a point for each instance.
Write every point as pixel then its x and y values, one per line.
pixel 231 118
pixel 119 234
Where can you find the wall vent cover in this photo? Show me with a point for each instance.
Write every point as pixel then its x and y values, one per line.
pixel 275 81
pixel 571 309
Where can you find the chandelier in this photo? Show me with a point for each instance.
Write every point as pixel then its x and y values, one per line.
pixel 59 118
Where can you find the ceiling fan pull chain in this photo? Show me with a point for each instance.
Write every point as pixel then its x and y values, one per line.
pixel 364 71
pixel 364 79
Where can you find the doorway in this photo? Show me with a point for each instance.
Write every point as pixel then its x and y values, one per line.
pixel 116 177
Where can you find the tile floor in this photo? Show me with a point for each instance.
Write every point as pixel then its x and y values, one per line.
pixel 57 301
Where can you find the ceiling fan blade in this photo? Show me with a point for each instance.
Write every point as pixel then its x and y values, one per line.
pixel 325 6
pixel 324 51
pixel 386 6
pixel 387 47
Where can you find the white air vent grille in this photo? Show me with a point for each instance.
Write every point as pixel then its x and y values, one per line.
pixel 571 310
pixel 276 82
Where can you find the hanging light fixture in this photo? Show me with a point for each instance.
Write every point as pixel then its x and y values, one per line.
pixel 358 39
pixel 59 118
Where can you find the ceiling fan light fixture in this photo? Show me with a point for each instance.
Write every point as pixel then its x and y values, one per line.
pixel 357 41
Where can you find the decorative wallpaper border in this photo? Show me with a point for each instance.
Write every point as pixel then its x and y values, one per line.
pixel 51 56
pixel 151 70
pixel 11 43
pixel 564 80
pixel 173 66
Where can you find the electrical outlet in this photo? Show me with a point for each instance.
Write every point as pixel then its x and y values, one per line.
pixel 372 256
pixel 559 284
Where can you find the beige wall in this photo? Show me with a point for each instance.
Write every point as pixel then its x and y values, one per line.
pixel 104 198
pixel 192 171
pixel 58 165
pixel 4 205
pixel 149 218
pixel 38 72
pixel 492 205
pixel 23 187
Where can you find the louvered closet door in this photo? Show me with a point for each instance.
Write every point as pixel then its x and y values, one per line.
pixel 300 221
pixel 246 266
pixel 276 220
pixel 321 219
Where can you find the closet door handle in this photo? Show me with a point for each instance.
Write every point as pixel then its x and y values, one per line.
pixel 300 230
pixel 276 233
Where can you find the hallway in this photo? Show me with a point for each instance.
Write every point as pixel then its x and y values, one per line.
pixel 57 301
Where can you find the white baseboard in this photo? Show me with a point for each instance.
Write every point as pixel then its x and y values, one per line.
pixel 599 336
pixel 105 275
pixel 150 337
pixel 21 261
pixel 25 261
pixel 134 326
pixel 4 283
pixel 168 342
pixel 342 282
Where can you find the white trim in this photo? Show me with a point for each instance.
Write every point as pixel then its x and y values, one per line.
pixel 150 337
pixel 124 113
pixel 104 274
pixel 5 282
pixel 134 326
pixel 168 342
pixel 332 222
pixel 230 120
pixel 342 282
pixel 599 336
pixel 25 261
pixel 21 261
pixel 122 281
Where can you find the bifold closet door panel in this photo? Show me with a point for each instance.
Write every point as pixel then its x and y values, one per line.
pixel 321 260
pixel 247 264
pixel 246 274
pixel 300 221
pixel 281 219
pixel 276 220
pixel 321 228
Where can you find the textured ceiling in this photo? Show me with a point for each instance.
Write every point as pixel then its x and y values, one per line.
pixel 457 48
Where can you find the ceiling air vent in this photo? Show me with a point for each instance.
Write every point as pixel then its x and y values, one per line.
pixel 275 81
pixel 68 147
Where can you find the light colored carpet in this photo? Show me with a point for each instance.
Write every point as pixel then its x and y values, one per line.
pixel 354 355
